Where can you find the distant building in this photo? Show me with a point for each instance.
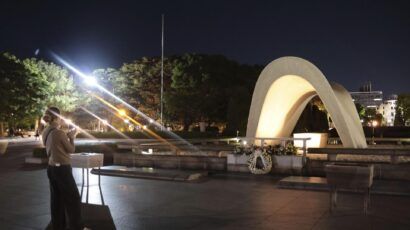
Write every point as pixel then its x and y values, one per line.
pixel 367 97
pixel 388 110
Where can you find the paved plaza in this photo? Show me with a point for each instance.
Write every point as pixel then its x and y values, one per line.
pixel 222 201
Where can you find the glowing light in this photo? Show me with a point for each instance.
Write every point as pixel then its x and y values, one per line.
pixel 76 126
pixel 90 81
pixel 105 122
pixel 144 127
pixel 126 121
pixel 122 112
pixel 295 87
pixel 245 142
pixel 150 151
pixel 317 140
pixel 374 123
pixel 151 120
pixel 139 113
pixel 68 121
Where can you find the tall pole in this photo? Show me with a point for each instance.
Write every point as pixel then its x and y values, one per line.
pixel 162 70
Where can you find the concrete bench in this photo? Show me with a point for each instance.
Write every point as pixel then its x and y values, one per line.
pixel 349 176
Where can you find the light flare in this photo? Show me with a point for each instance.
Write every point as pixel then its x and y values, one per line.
pixel 73 124
pixel 105 122
pixel 139 113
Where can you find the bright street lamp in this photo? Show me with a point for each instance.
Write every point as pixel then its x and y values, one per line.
pixel 122 112
pixel 90 81
pixel 374 124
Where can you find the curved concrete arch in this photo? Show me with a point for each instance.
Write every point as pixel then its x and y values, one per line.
pixel 283 90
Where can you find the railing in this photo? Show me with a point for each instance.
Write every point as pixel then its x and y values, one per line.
pixel 172 144
pixel 143 145
pixel 332 153
pixel 263 141
pixel 379 140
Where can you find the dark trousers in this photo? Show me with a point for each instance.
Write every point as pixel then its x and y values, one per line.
pixel 65 199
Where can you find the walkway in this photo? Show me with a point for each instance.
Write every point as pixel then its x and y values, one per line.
pixel 224 201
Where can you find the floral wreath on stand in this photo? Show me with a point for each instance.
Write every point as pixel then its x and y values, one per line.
pixel 260 158
pixel 265 159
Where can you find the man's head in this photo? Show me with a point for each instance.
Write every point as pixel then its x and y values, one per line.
pixel 51 114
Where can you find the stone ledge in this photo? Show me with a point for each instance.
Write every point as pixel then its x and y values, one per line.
pixel 35 160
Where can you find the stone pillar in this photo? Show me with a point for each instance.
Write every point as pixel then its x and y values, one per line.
pixel 202 126
pixel 1 129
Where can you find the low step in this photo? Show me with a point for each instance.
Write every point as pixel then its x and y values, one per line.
pixel 152 173
pixel 382 187
pixel 35 160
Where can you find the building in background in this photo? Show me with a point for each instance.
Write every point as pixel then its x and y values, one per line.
pixel 388 110
pixel 367 97
pixel 370 99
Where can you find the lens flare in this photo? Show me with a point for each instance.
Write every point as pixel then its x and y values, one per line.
pixel 90 81
pixel 131 108
pixel 105 122
pixel 76 126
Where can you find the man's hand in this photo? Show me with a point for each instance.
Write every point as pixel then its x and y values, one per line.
pixel 72 133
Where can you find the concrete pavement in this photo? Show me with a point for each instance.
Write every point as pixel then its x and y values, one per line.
pixel 224 201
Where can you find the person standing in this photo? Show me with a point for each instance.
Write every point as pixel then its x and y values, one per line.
pixel 37 135
pixel 64 195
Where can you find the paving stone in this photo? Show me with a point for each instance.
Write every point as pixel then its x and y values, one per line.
pixel 224 201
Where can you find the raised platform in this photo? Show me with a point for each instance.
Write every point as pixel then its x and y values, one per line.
pixel 152 173
pixel 382 187
pixel 192 162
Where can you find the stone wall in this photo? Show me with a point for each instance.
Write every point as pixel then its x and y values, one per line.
pixel 382 170
pixel 212 163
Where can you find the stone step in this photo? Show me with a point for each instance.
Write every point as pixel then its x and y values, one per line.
pixel 152 173
pixel 381 187
pixel 35 160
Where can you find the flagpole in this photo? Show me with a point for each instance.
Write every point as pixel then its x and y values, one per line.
pixel 162 71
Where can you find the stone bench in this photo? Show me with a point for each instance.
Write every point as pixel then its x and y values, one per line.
pixel 349 176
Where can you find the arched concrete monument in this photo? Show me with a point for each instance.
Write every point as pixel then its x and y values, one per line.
pixel 283 90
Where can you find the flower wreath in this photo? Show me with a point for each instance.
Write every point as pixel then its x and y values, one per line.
pixel 264 157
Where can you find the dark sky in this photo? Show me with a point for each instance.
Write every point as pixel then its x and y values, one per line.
pixel 350 41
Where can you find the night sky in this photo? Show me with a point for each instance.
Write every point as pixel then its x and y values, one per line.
pixel 350 41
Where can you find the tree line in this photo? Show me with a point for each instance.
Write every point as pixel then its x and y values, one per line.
pixel 197 88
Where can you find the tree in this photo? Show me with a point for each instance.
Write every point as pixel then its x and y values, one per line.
pixel 22 90
pixel 200 88
pixel 402 110
pixel 312 120
pixel 60 88
pixel 371 115
pixel 360 110
pixel 139 83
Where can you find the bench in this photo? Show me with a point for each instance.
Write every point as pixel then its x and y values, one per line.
pixel 349 176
